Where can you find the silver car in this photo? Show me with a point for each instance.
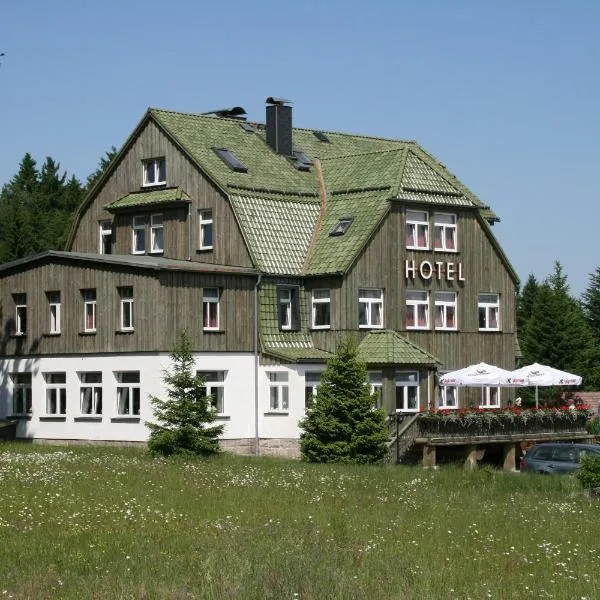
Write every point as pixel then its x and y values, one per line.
pixel 556 457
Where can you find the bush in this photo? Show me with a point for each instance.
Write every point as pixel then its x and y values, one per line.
pixel 185 417
pixel 589 472
pixel 342 425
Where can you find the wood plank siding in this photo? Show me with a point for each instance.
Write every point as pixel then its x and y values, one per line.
pixel 164 303
pixel 382 265
pixel 181 240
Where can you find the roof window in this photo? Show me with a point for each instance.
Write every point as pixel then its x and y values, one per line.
pixel 302 161
pixel 341 226
pixel 248 127
pixel 230 160
pixel 322 137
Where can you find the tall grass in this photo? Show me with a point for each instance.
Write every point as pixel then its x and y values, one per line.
pixel 115 523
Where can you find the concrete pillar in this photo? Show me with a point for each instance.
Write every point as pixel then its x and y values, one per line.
pixel 428 456
pixel 510 455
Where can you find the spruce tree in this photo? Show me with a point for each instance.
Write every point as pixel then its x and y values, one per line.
pixel 342 425
pixel 101 169
pixel 185 417
pixel 526 302
pixel 591 304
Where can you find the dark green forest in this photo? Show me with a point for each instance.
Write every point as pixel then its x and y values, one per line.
pixel 38 204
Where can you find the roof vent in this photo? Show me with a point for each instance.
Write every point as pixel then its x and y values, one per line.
pixel 235 112
pixel 279 125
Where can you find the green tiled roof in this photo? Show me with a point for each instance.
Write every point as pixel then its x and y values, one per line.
pixel 386 347
pixel 152 197
pixel 335 254
pixel 278 231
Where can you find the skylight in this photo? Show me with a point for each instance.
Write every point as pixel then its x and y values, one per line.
pixel 248 127
pixel 322 137
pixel 341 226
pixel 230 160
pixel 303 162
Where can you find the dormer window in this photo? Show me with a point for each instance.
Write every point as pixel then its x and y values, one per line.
pixel 154 171
pixel 341 226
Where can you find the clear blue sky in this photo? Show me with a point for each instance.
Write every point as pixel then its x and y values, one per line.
pixel 506 94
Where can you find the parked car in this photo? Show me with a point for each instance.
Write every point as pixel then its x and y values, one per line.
pixel 556 457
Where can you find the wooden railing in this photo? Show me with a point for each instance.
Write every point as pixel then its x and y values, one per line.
pixel 403 430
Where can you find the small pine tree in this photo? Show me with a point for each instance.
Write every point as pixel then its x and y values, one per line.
pixel 342 425
pixel 185 416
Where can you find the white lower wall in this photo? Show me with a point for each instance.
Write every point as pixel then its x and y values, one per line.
pixel 239 401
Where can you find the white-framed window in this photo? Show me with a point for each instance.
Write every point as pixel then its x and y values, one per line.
pixel 20 314
pixel 126 296
pixel 490 397
pixel 89 309
pixel 154 171
pixel 210 308
pixel 321 309
pixel 312 379
pixel 444 231
pixel 214 386
pixel 279 399
pixel 370 308
pixel 21 393
pixel 128 393
pixel 417 230
pixel 56 393
pixel 407 391
pixel 105 237
pixel 489 312
pixel 54 310
pixel 90 393
pixel 206 230
pixel 447 396
pixel 157 234
pixel 376 384
pixel 417 309
pixel 288 308
pixel 445 310
pixel 138 235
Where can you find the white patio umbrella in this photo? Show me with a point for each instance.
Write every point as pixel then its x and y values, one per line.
pixel 542 375
pixel 481 374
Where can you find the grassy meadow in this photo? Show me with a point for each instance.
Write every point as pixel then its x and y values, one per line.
pixel 114 523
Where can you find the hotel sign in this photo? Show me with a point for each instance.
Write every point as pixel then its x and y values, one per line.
pixel 450 271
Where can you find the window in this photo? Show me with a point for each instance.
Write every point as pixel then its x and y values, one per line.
pixel 128 393
pixel 214 386
pixel 90 393
pixel 210 308
pixel 376 383
pixel 21 393
pixel 206 230
pixel 312 379
pixel 54 306
pixel 126 294
pixel 105 237
pixel 370 308
pixel 407 391
pixel 278 391
pixel 138 240
pixel 288 308
pixel 89 309
pixel 490 397
pixel 321 303
pixel 417 230
pixel 231 160
pixel 447 396
pixel 444 231
pixel 157 234
pixel 341 226
pixel 155 171
pixel 489 312
pixel 417 309
pixel 445 310
pixel 20 313
pixel 56 393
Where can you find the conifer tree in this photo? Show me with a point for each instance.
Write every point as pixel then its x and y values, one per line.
pixel 185 417
pixel 591 304
pixel 526 302
pixel 342 425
